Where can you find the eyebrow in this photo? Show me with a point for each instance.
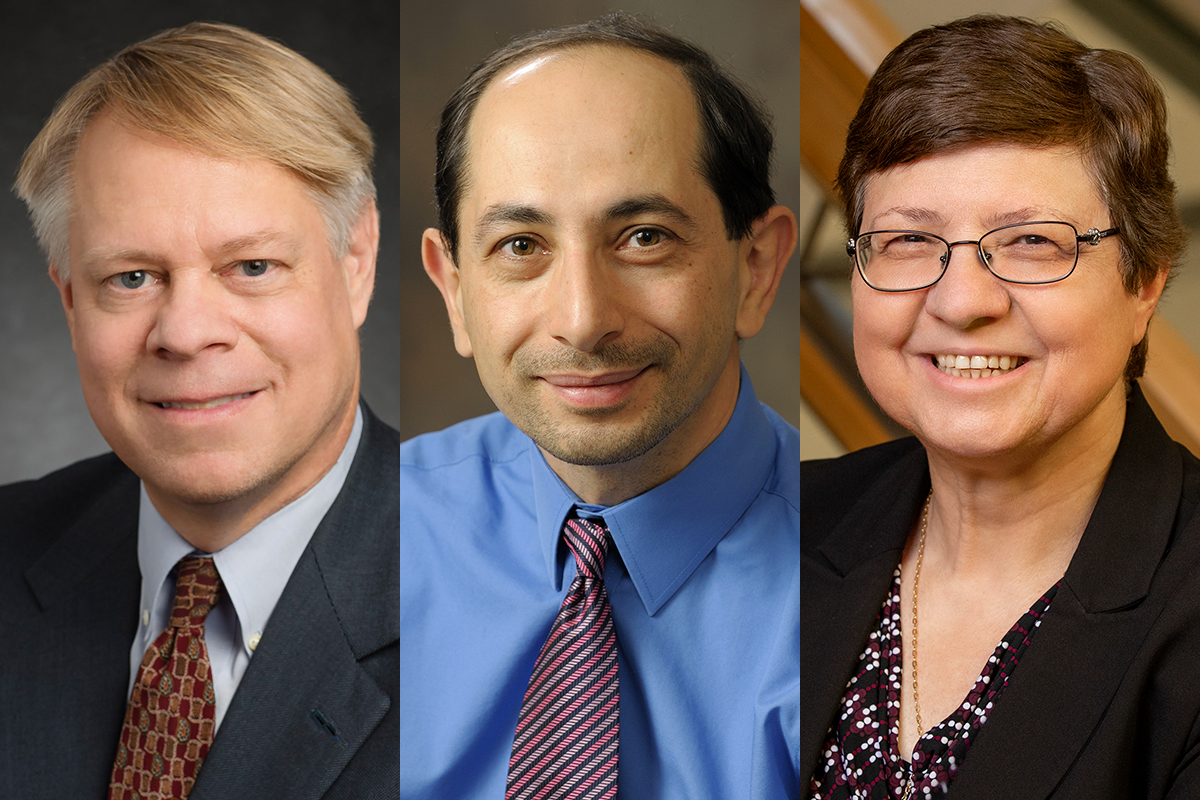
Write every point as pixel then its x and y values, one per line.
pixel 501 214
pixel 1019 215
pixel 916 216
pixel 133 255
pixel 925 216
pixel 258 239
pixel 647 204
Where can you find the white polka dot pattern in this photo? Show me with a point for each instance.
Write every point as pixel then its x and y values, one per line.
pixel 861 759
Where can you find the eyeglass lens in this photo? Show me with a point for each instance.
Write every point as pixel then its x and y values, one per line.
pixel 1039 252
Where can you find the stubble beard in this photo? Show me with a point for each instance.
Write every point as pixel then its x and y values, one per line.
pixel 593 440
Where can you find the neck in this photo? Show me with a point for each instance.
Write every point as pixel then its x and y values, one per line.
pixel 1006 519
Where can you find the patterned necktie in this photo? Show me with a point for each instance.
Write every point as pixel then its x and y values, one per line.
pixel 566 742
pixel 169 723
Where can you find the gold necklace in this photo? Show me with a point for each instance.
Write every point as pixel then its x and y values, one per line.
pixel 908 790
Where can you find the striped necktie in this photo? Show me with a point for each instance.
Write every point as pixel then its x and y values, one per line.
pixel 566 741
pixel 170 718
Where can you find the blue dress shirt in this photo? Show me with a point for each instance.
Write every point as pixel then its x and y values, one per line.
pixel 705 594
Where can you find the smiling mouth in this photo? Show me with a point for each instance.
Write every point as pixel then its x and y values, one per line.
pixel 977 366
pixel 569 381
pixel 206 404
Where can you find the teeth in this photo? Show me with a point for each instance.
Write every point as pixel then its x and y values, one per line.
pixel 220 401
pixel 976 366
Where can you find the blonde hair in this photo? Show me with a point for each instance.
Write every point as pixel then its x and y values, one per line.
pixel 220 89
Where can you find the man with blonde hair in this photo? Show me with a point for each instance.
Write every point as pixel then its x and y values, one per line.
pixel 209 611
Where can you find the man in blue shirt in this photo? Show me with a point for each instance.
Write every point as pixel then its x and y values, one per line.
pixel 607 235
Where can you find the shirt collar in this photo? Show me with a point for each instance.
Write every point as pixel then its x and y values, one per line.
pixel 664 534
pixel 254 568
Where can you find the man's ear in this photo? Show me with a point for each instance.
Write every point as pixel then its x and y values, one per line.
pixel 440 268
pixel 762 258
pixel 359 261
pixel 66 296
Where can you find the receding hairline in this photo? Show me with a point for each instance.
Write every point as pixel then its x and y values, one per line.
pixel 578 51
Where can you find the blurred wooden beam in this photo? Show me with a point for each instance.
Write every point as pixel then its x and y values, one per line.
pixel 851 421
pixel 1172 384
pixel 841 44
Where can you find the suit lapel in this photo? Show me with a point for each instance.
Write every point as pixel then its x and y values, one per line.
pixel 308 702
pixel 98 544
pixel 1094 627
pixel 85 586
pixel 843 584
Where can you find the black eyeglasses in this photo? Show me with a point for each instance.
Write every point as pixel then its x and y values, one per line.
pixel 1027 253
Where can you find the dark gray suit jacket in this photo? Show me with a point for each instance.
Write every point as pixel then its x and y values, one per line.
pixel 1106 701
pixel 69 593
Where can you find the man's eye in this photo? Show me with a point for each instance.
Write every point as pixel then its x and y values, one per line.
pixel 133 280
pixel 520 246
pixel 646 237
pixel 254 268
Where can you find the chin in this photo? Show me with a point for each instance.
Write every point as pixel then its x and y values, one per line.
pixel 596 448
pixel 597 444
pixel 210 479
pixel 978 442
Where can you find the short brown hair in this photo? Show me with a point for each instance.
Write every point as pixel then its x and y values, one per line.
pixel 1004 80
pixel 225 91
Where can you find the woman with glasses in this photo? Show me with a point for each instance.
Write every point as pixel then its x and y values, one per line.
pixel 1006 605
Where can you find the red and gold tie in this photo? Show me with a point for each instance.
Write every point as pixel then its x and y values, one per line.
pixel 169 723
pixel 566 741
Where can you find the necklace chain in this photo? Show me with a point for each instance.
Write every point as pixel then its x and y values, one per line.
pixel 908 789
pixel 916 587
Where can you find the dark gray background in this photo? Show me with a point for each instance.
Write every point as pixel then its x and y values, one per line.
pixel 44 48
pixel 441 41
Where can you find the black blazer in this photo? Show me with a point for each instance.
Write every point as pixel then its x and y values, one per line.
pixel 1106 701
pixel 69 593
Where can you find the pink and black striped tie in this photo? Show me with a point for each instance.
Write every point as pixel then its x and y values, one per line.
pixel 566 742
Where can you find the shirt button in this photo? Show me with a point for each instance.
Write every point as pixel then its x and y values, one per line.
pixel 255 638
pixel 145 616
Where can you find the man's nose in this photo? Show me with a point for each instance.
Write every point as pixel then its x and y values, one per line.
pixel 194 314
pixel 582 301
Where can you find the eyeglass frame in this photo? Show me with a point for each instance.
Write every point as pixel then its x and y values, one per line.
pixel 1092 237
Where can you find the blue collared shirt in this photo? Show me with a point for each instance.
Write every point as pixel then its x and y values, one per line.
pixel 254 570
pixel 705 593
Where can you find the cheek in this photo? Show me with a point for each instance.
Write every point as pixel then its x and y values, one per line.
pixel 318 331
pixel 700 305
pixel 882 325
pixel 108 348
pixel 1101 323
pixel 497 323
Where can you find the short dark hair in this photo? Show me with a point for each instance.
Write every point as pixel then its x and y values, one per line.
pixel 1006 80
pixel 736 139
